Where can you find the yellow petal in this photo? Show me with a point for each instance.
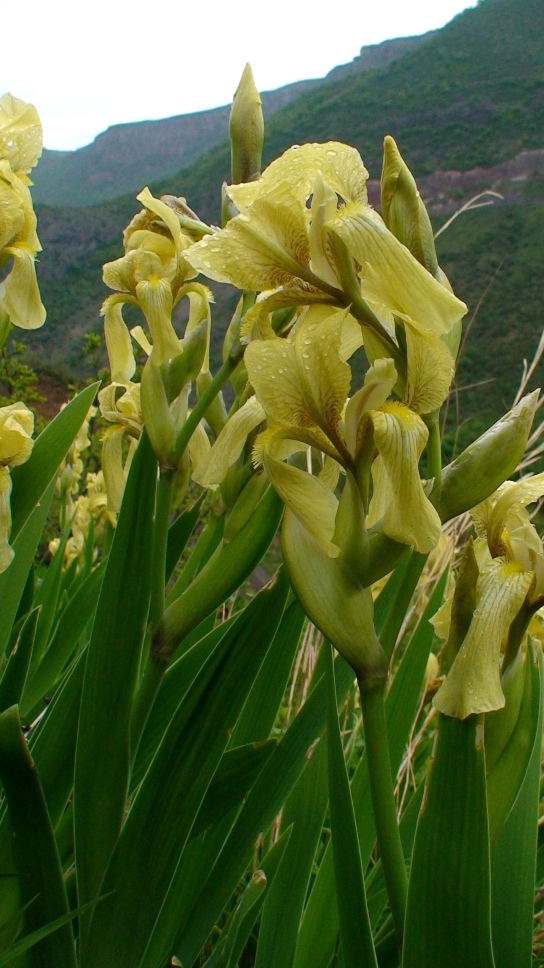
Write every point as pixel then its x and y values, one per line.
pixel 16 427
pixel 167 215
pixel 199 311
pixel 391 277
pixel 262 250
pixel 310 500
pixel 155 298
pixel 12 216
pixel 141 339
pixel 339 165
pixel 324 203
pixel 118 344
pixel 400 437
pixel 229 445
pixel 112 466
pixel 302 381
pixel 473 684
pixel 21 294
pixel 430 370
pixel 380 378
pixel 21 135
pixel 256 322
pixel 511 497
pixel 6 553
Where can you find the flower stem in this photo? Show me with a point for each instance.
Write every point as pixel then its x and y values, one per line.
pixel 160 542
pixel 434 455
pixel 383 800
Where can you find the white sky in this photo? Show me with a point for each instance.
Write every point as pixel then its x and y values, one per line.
pixel 88 64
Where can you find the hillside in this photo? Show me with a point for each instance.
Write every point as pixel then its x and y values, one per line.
pixel 127 156
pixel 493 56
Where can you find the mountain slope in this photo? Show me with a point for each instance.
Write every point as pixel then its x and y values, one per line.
pixel 128 156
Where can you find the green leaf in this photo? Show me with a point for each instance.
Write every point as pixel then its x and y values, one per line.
pixel 13 581
pixel 176 682
pixel 265 799
pixel 355 930
pixel 112 665
pixel 319 929
pixel 303 814
pixel 31 480
pixel 52 744
pixel 237 771
pixel 513 857
pixel 448 920
pixel 30 940
pixel 136 927
pixel 47 597
pixel 14 677
pixel 40 872
pixel 227 952
pixel 179 533
pixel 261 707
pixel 71 625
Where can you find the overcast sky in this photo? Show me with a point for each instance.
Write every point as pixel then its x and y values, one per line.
pixel 88 65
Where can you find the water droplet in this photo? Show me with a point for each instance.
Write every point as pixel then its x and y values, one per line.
pixel 280 370
pixel 323 336
pixel 331 153
pixel 306 366
pixel 284 354
pixel 305 356
pixel 259 367
pixel 307 342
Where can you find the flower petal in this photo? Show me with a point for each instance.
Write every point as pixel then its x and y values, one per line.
pixel 16 427
pixel 21 135
pixel 430 370
pixel 302 381
pixel 155 298
pixel 380 378
pixel 339 165
pixel 21 294
pixel 310 500
pixel 400 437
pixel 391 277
pixel 473 683
pixel 262 250
pixel 118 343
pixel 229 445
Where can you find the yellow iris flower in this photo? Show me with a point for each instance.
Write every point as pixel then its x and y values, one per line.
pixel 152 276
pixel 301 385
pixel 285 243
pixel 511 562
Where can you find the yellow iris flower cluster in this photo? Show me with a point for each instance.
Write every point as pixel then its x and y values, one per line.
pixel 302 229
